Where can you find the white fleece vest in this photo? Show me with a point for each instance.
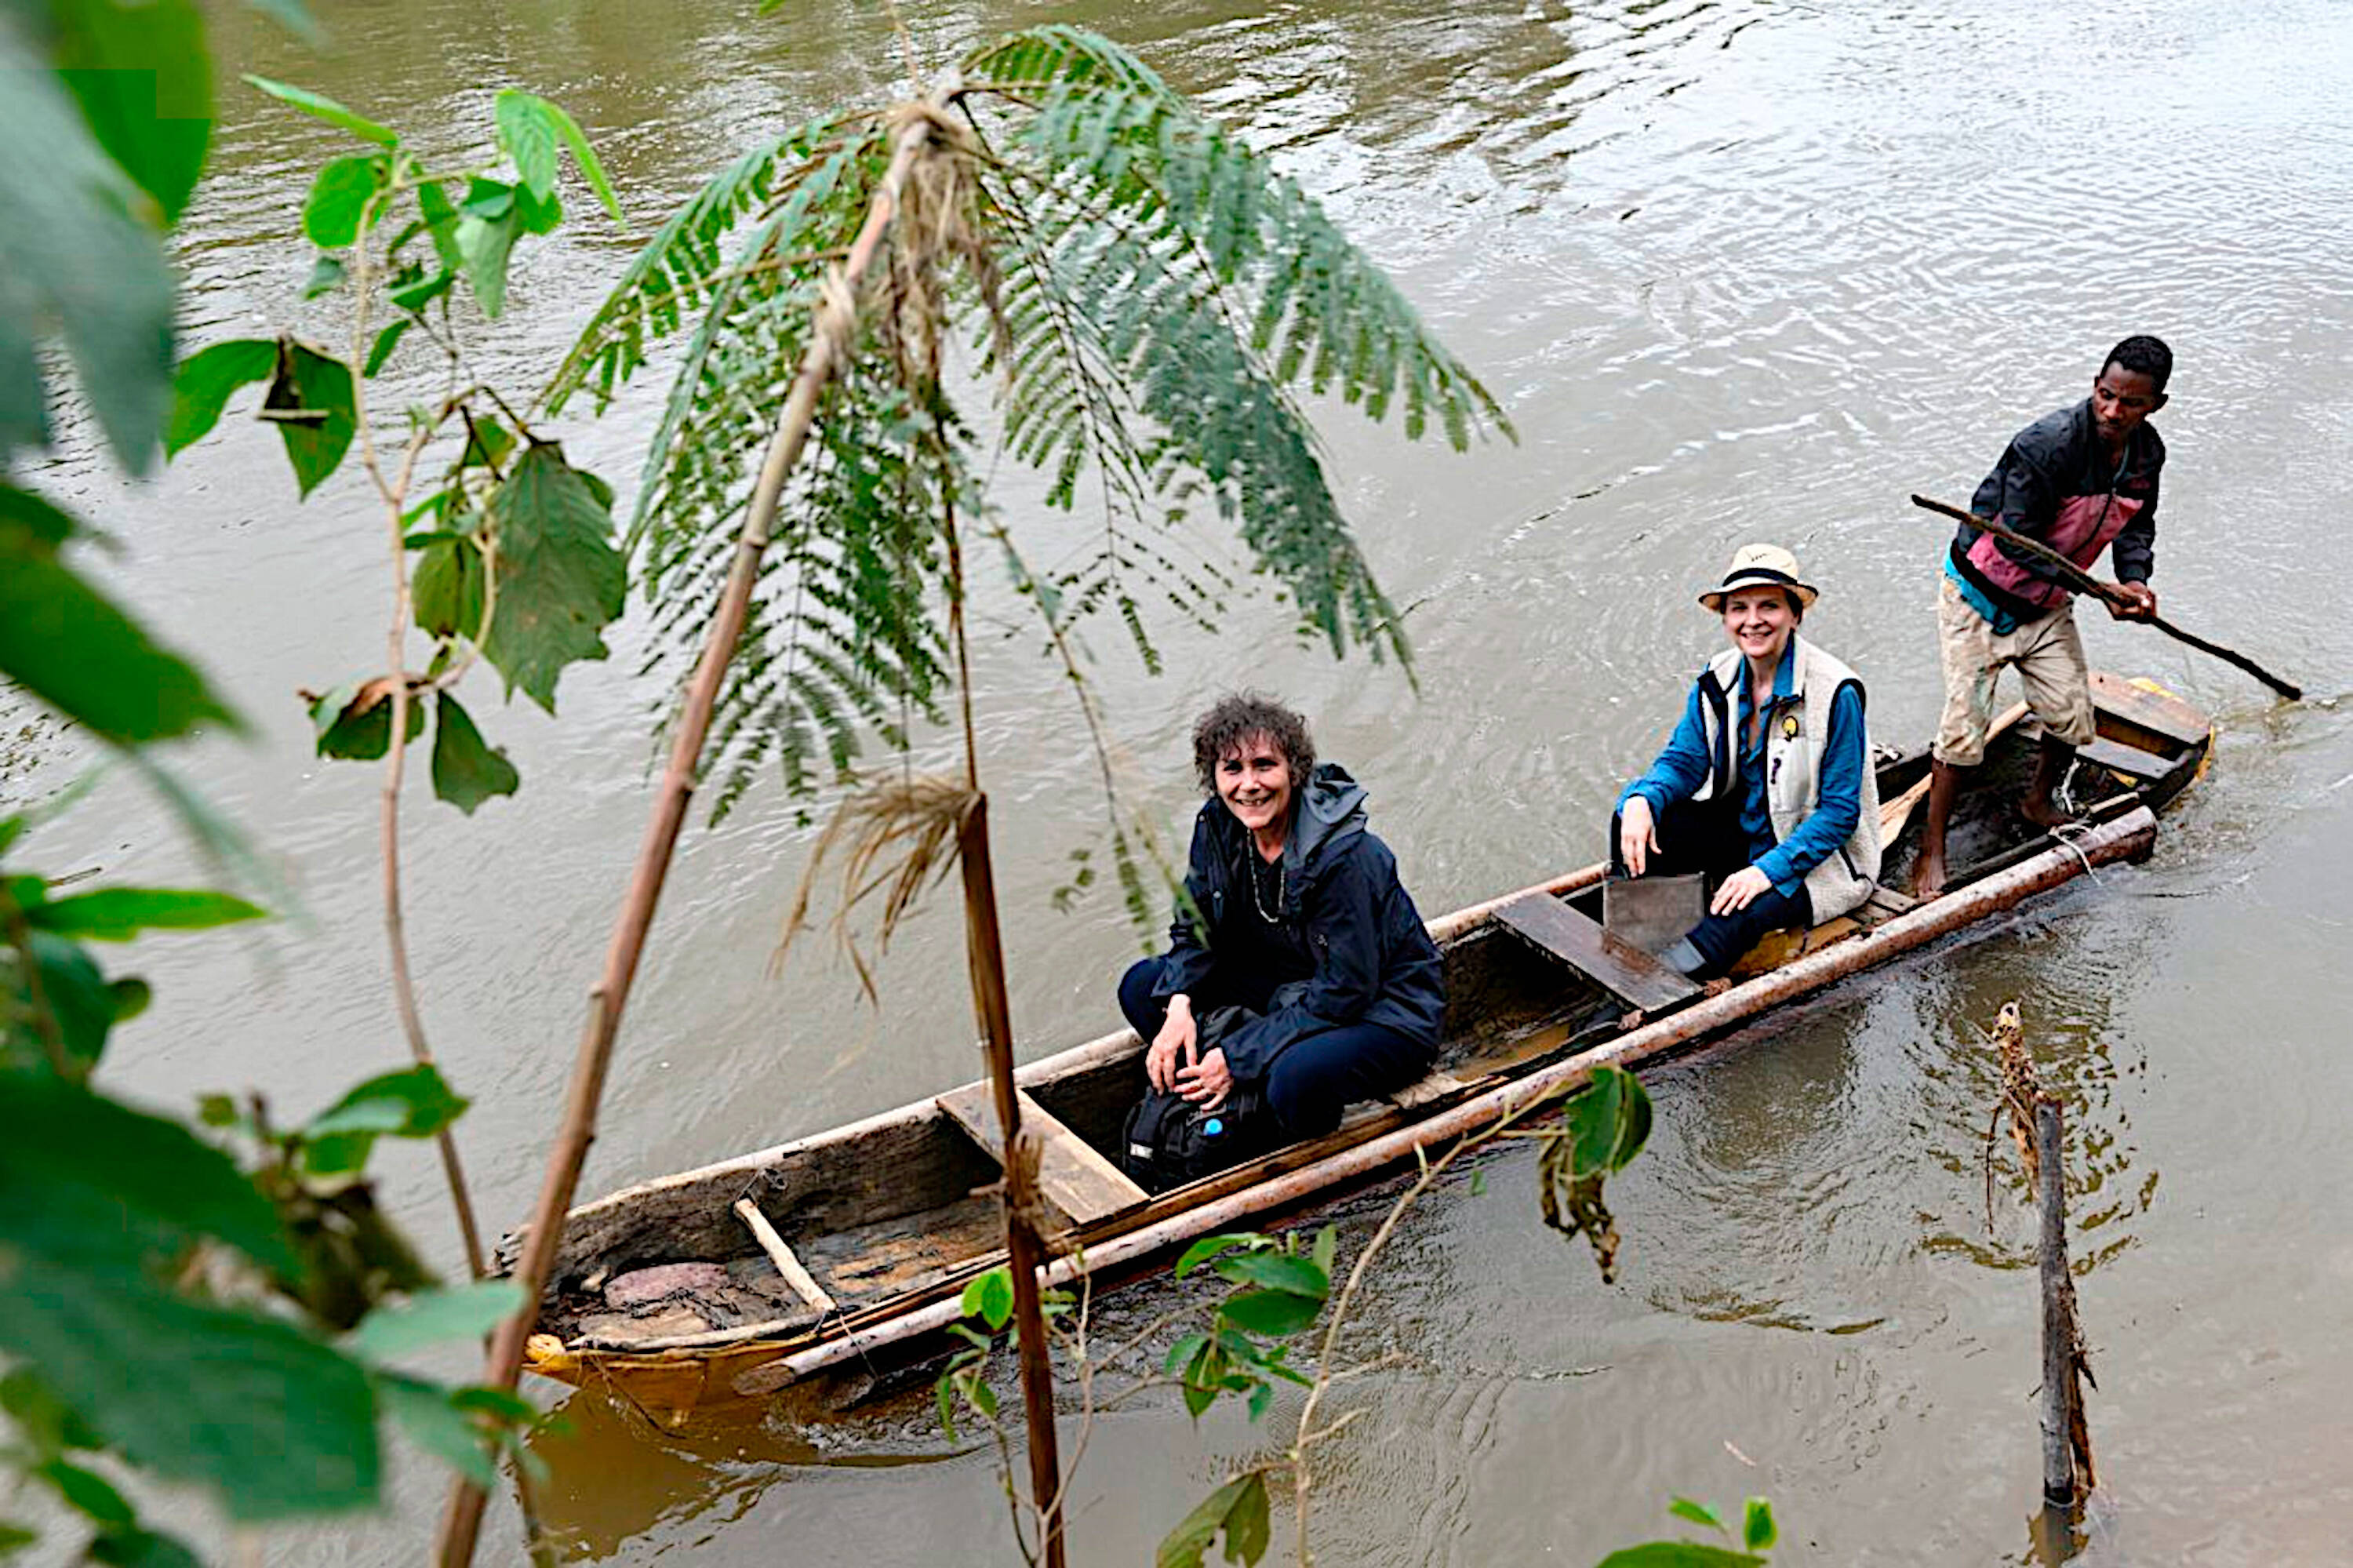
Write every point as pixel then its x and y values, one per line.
pixel 1797 728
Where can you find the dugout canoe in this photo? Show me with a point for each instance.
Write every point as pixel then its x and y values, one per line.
pixel 819 1261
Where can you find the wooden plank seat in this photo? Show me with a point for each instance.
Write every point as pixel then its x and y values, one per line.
pixel 2129 761
pixel 2162 716
pixel 1576 939
pixel 1075 1176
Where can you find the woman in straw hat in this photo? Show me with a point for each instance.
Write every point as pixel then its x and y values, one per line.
pixel 1765 786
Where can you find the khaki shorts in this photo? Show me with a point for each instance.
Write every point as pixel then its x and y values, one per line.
pixel 2050 660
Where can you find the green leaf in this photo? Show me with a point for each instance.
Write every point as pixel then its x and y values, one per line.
pixel 466 771
pixel 441 226
pixel 446 589
pixel 1326 1249
pixel 458 1312
pixel 548 118
pixel 415 1102
pixel 325 109
pixel 326 276
pixel 88 1494
pixel 1758 1531
pixel 143 81
pixel 354 721
pixel 339 193
pixel 1275 1313
pixel 118 914
pixel 1697 1512
pixel 74 260
pixel 200 388
pixel 71 648
pixel 487 225
pixel 43 1420
pixel 1274 1271
pixel 1479 1183
pixel 435 1424
pixel 990 1298
pixel 1237 1511
pixel 1208 1248
pixel 75 999
pixel 1679 1554
pixel 527 135
pixel 560 580
pixel 487 444
pixel 309 400
pixel 414 297
pixel 385 341
pixel 15 1538
pixel 142 1549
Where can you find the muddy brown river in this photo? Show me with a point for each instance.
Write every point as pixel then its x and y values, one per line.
pixel 1739 270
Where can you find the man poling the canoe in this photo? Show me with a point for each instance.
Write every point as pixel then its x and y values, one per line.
pixel 1765 786
pixel 2080 480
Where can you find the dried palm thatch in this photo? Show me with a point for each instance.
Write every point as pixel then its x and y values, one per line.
pixel 893 839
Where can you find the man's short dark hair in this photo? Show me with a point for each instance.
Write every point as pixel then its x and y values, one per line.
pixel 2144 355
pixel 1233 719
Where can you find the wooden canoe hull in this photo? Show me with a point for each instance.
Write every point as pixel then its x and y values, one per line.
pixel 903 1289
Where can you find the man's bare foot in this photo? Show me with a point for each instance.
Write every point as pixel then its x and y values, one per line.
pixel 1928 877
pixel 1717 987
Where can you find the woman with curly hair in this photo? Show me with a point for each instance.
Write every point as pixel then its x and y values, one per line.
pixel 1296 916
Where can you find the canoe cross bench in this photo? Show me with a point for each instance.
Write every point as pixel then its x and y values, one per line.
pixel 1075 1176
pixel 1620 968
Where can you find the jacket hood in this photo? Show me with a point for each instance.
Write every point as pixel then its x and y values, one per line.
pixel 1332 808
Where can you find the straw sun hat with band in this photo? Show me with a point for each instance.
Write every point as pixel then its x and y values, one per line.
pixel 1761 566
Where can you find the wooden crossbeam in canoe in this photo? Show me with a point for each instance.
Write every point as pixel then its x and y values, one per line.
pixel 1075 1176
pixel 788 1264
pixel 1624 970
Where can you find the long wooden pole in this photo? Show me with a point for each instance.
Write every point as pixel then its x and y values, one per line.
pixel 2058 1320
pixel 832 327
pixel 1024 1252
pixel 2077 578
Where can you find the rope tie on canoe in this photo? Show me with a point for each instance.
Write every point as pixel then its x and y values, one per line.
pixel 2065 835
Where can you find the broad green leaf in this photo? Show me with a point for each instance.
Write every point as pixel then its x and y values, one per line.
pixel 200 388
pixel 339 197
pixel 1326 1248
pixel 416 296
pixel 74 1000
pixel 118 914
pixel 560 580
pixel 385 341
pixel 446 589
pixel 1183 1350
pixel 354 721
pixel 310 401
pixel 143 79
pixel 88 1494
pixel 458 1312
pixel 528 137
pixel 586 156
pixel 15 1538
pixel 326 276
pixel 1274 1271
pixel 75 260
pixel 69 646
pixel 1237 1511
pixel 142 1549
pixel 28 522
pixel 434 1423
pixel 487 444
pixel 43 1420
pixel 415 1102
pixel 1679 1554
pixel 484 244
pixel 1758 1531
pixel 1697 1512
pixel 1275 1313
pixel 538 215
pixel 1208 1248
pixel 990 1298
pixel 325 109
pixel 466 771
pixel 441 228
pixel 89 1179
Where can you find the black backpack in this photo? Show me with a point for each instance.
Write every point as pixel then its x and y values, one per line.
pixel 1168 1140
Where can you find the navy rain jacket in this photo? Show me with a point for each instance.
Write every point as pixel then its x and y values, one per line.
pixel 1343 905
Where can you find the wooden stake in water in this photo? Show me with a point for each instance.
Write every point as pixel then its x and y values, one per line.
pixel 2058 1315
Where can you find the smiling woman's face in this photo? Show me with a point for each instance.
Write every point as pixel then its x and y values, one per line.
pixel 1760 620
pixel 1254 781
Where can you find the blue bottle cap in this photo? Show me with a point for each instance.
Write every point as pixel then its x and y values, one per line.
pixel 1211 1128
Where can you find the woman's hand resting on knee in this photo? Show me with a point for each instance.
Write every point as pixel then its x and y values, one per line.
pixel 1178 1034
pixel 1739 890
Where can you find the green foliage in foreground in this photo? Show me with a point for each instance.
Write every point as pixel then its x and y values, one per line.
pixel 218 1304
pixel 1148 299
pixel 1757 1535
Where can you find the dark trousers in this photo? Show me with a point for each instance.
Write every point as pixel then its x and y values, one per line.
pixel 1313 1077
pixel 1705 837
